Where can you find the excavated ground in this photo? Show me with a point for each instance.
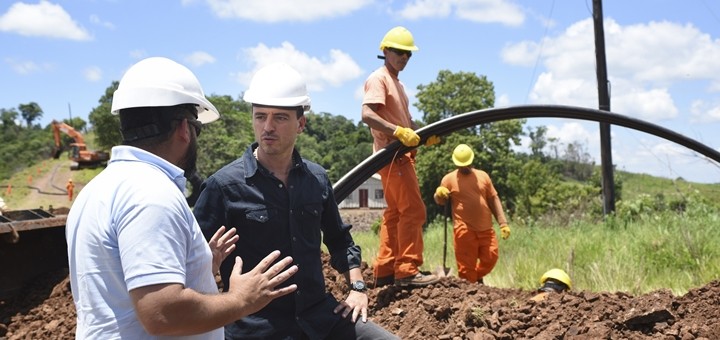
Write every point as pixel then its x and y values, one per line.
pixel 451 309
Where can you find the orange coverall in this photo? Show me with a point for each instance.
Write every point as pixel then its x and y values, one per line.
pixel 474 199
pixel 70 186
pixel 401 244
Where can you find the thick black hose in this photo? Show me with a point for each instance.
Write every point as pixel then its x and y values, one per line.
pixel 358 175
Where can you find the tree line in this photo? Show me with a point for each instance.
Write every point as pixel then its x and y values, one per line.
pixel 548 177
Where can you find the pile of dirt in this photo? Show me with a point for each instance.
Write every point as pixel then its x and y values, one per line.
pixel 361 219
pixel 451 309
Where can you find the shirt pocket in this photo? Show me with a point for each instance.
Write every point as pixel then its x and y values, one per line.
pixel 258 215
pixel 310 219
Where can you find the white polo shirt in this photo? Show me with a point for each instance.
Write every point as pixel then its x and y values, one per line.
pixel 131 227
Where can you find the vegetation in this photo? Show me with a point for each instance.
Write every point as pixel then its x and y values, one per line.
pixel 635 253
pixel 661 235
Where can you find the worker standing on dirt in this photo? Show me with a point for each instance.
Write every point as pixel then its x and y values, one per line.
pixel 386 111
pixel 278 200
pixel 473 201
pixel 70 187
pixel 140 267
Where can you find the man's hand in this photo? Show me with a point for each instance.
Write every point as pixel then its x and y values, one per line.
pixel 406 136
pixel 256 288
pixel 221 245
pixel 432 140
pixel 442 192
pixel 505 231
pixel 357 303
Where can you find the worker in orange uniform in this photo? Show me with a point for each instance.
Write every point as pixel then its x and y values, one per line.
pixel 473 201
pixel 553 281
pixel 385 110
pixel 70 187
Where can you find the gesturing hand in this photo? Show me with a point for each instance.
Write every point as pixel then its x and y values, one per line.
pixel 256 288
pixel 221 245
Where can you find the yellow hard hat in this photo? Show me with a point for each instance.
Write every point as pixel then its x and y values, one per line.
pixel 558 275
pixel 463 155
pixel 398 37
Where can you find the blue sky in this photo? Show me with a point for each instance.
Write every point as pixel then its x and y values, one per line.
pixel 663 57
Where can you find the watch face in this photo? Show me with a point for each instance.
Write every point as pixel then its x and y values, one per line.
pixel 358 286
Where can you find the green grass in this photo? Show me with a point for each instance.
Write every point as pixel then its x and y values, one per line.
pixel 664 251
pixel 636 184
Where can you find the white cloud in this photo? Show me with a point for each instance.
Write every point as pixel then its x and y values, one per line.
pixel 25 67
pixel 502 100
pixel 42 20
pixel 138 54
pixel 96 20
pixel 485 11
pixel 199 58
pixel 570 132
pixel 284 10
pixel 644 61
pixel 92 73
pixel 333 71
pixel 703 112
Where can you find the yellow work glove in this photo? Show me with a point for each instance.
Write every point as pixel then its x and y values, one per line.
pixel 406 136
pixel 442 192
pixel 432 140
pixel 505 232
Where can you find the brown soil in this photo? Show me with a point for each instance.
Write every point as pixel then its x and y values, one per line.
pixel 450 309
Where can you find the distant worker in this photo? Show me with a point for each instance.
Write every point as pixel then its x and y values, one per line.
pixel 385 110
pixel 553 281
pixel 473 199
pixel 70 186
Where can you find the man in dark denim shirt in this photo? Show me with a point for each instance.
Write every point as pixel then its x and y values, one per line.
pixel 277 200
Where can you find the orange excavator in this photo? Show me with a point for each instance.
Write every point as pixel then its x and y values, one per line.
pixel 80 155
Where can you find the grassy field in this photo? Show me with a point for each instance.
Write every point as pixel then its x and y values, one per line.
pixel 647 251
pixel 662 251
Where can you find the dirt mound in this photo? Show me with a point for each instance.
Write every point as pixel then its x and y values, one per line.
pixel 451 309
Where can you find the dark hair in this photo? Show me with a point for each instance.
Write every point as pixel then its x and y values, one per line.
pixel 148 126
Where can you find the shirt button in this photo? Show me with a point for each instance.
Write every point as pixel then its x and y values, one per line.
pixel 294 239
pixel 280 185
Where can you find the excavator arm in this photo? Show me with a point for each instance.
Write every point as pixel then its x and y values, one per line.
pixel 78 153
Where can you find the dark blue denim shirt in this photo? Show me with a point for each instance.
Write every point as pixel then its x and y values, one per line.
pixel 294 219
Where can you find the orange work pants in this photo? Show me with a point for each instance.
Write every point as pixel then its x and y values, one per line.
pixel 476 252
pixel 401 243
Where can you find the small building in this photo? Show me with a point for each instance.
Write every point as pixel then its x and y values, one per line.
pixel 370 195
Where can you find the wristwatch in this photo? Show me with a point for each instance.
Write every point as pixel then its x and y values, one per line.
pixel 358 286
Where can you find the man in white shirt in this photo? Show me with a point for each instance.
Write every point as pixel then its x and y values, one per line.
pixel 140 267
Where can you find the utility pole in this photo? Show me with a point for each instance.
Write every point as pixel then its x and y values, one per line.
pixel 70 113
pixel 608 183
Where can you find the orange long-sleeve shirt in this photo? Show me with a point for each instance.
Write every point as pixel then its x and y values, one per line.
pixel 474 200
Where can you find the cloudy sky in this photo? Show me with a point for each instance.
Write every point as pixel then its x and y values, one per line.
pixel 663 57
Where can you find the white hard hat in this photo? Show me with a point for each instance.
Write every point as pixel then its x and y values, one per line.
pixel 278 85
pixel 159 81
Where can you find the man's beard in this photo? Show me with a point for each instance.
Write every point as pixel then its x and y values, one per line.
pixel 189 163
pixel 465 170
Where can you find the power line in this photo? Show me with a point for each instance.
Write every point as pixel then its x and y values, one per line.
pixel 542 43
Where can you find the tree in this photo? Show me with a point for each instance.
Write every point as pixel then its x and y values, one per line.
pixel 454 93
pixel 106 125
pixel 30 112
pixel 8 118
pixel 339 144
pixel 224 140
